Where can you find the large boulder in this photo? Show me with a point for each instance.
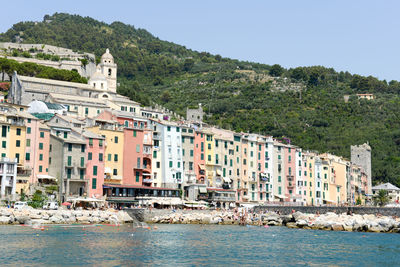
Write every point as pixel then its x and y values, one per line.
pixel 5 220
pixel 22 219
pixel 56 219
pixel 337 227
pixel 83 219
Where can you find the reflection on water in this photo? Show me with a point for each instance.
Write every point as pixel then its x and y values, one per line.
pixel 193 245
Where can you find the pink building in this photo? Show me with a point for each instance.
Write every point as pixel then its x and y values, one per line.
pixel 290 171
pixel 95 162
pixel 137 156
pixel 37 151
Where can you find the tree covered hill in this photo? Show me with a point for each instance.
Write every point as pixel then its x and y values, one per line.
pixel 304 104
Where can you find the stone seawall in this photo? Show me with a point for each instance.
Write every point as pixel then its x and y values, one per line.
pixel 32 216
pixel 337 210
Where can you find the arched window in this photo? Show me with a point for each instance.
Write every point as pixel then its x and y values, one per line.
pixel 109 72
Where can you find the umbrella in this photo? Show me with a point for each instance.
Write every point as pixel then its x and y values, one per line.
pixel 66 204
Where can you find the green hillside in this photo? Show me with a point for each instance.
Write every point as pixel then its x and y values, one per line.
pixel 305 104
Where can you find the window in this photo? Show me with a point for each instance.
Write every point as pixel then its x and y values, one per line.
pixel 168 128
pixel 109 157
pixel 209 157
pixel 28 142
pixel 18 131
pixel 69 162
pixel 158 164
pixel 191 152
pixel 134 133
pixel 170 164
pixel 90 156
pixel 116 139
pixel 41 134
pixel 4 131
pixel 202 147
pixel 138 148
pixel 18 143
pixel 154 154
pixel 82 174
pixel 100 157
pixel 41 146
pixel 126 123
pixel 202 156
pixel 50 147
pixel 183 152
pixel 179 164
pixel 28 130
pixel 115 157
pixel 94 182
pixel 100 143
pixel 209 146
pixel 95 170
pixel 41 157
pixel 279 179
pixel 137 174
pixel 69 147
pixel 290 158
pixel 177 129
pixel 83 148
pixel 27 156
pixel 115 172
pixel 82 161
pixel 279 190
pixel 65 135
pixel 4 144
pixel 86 111
pixel 90 141
pixel 41 169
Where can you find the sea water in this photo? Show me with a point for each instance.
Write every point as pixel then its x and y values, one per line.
pixel 193 245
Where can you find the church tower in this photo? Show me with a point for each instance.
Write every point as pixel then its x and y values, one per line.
pixel 109 70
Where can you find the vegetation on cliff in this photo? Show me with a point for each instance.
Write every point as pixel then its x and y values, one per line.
pixel 304 104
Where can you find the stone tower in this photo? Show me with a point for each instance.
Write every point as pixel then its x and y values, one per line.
pixel 109 70
pixel 361 155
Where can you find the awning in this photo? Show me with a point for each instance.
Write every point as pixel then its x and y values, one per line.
pixel 45 176
pixel 146 174
pixel 227 179
pixel 280 196
pixel 202 167
pixel 107 170
pixel 219 172
pixel 202 189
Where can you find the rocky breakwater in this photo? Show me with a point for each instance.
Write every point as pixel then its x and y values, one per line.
pixel 31 216
pixel 343 222
pixel 329 221
pixel 212 217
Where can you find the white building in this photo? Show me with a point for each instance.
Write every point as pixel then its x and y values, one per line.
pixel 171 169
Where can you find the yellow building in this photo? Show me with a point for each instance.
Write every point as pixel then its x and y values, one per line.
pixel 114 151
pixel 309 175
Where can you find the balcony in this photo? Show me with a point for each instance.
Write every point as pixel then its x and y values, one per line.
pixel 290 178
pixel 147 180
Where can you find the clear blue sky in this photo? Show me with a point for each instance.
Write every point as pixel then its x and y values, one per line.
pixel 360 36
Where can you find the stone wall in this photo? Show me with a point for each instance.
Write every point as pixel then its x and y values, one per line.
pixel 338 210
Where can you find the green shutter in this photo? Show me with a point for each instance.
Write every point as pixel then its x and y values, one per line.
pixel 90 156
pixel 69 161
pixel 94 181
pixel 28 156
pixel 94 170
pixel 82 161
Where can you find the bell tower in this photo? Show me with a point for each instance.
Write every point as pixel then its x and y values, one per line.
pixel 109 70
